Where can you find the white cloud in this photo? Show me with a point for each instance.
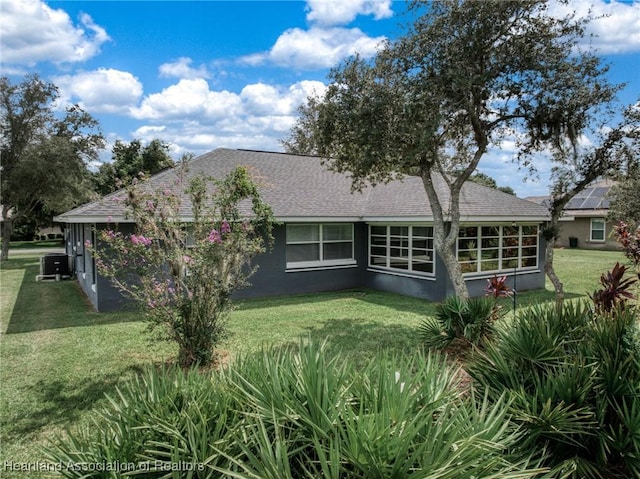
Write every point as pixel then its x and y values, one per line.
pixel 32 32
pixel 342 12
pixel 262 99
pixel 188 98
pixel 101 91
pixel 616 24
pixel 316 48
pixel 182 68
pixel 197 119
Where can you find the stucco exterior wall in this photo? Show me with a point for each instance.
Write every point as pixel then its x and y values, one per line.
pixel 580 228
pixel 273 279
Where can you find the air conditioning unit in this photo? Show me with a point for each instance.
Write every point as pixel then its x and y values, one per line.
pixel 55 266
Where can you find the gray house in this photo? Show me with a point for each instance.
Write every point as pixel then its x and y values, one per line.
pixel 332 239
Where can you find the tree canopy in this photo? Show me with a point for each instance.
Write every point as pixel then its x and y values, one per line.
pixel 614 152
pixel 129 160
pixel 44 152
pixel 465 77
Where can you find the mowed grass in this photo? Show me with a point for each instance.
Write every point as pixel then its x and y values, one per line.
pixel 58 358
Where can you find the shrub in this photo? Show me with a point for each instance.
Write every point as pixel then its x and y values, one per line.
pixel 294 413
pixel 573 380
pixel 615 290
pixel 182 275
pixel 470 320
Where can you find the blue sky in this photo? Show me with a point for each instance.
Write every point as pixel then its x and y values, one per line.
pixel 206 74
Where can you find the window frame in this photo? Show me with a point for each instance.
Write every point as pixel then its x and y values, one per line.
pixel 604 230
pixel 506 261
pixel 321 262
pixel 396 240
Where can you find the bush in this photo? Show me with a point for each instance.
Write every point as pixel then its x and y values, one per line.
pixel 293 413
pixel 471 320
pixel 573 380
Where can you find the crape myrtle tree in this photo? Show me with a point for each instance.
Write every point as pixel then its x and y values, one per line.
pixel 128 161
pixel 43 154
pixel 192 247
pixel 465 77
pixel 614 152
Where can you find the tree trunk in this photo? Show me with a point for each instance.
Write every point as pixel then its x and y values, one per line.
pixel 551 273
pixel 445 238
pixel 448 255
pixel 7 229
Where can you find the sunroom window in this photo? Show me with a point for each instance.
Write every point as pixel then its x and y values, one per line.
pixel 316 245
pixel 403 247
pixel 497 247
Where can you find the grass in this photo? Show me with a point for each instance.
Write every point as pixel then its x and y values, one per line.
pixel 58 358
pixel 18 245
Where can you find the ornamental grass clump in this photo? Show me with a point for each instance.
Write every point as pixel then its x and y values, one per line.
pixel 298 413
pixel 571 375
pixel 191 248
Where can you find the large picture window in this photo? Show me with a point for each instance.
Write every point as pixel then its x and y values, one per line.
pixel 311 245
pixel 597 229
pixel 405 248
pixel 497 248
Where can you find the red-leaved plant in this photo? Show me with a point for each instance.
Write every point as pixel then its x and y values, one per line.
pixel 497 288
pixel 630 243
pixel 615 291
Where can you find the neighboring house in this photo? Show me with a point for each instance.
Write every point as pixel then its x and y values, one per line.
pixel 332 239
pixel 584 223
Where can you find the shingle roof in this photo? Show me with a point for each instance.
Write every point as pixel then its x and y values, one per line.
pixel 301 187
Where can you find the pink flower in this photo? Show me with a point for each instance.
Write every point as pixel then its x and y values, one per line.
pixel 187 259
pixel 141 240
pixel 87 244
pixel 226 228
pixel 111 234
pixel 150 205
pixel 214 237
pixel 109 219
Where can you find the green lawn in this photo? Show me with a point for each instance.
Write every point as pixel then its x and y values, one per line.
pixel 18 245
pixel 58 358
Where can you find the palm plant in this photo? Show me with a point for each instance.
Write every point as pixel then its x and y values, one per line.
pixel 469 320
pixel 573 378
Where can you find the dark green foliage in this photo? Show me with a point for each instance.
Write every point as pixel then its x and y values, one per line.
pixel 294 413
pixel 43 154
pixel 129 161
pixel 470 320
pixel 573 378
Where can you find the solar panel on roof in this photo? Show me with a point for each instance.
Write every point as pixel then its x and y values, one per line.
pixel 600 192
pixel 591 203
pixel 575 204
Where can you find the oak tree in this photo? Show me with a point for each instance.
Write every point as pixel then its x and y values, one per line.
pixel 129 161
pixel 463 79
pixel 43 152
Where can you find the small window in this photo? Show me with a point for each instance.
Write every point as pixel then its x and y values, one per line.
pixel 318 245
pixel 597 229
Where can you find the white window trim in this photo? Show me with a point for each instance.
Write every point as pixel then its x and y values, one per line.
pixel 501 247
pixel 604 231
pixel 321 263
pixel 397 271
